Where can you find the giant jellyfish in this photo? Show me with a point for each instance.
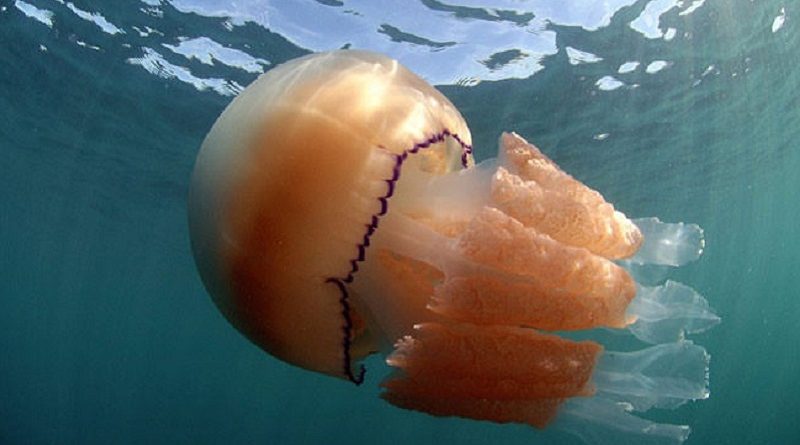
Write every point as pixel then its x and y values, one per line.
pixel 336 211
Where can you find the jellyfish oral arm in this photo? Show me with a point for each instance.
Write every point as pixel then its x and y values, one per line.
pixel 498 284
pixel 484 256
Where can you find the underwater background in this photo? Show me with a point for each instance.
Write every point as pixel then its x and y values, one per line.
pixel 685 110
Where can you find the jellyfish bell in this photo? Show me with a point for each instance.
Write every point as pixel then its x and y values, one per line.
pixel 286 188
pixel 335 210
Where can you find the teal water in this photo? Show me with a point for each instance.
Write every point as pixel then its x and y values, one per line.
pixel 106 334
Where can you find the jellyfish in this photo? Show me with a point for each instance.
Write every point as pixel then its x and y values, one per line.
pixel 336 211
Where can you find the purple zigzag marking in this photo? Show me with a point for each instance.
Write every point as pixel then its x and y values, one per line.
pixel 347 329
pixel 466 148
pixel 353 267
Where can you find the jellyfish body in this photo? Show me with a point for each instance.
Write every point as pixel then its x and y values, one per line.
pixel 335 211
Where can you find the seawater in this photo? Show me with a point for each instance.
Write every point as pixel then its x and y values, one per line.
pixel 107 336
